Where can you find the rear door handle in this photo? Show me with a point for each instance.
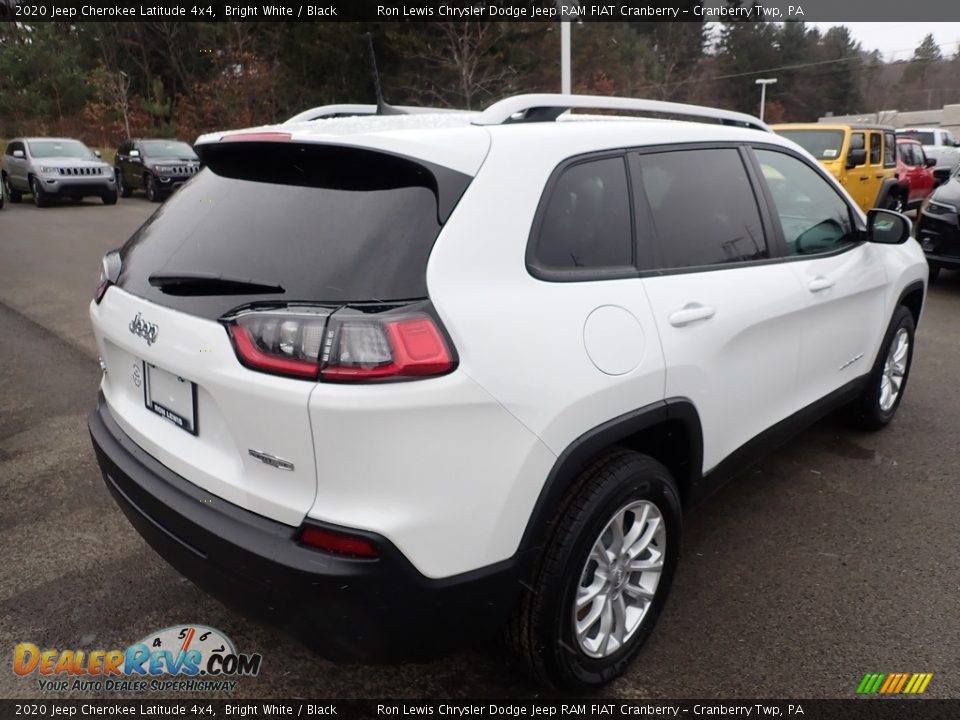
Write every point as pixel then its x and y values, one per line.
pixel 690 313
pixel 821 283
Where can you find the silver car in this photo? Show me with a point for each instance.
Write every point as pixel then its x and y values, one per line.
pixel 50 168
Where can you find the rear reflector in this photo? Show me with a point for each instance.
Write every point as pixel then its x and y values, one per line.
pixel 337 542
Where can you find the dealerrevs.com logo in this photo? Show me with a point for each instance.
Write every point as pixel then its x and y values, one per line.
pixel 186 658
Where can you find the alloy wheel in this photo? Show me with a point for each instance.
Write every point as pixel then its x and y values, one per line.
pixel 619 579
pixel 894 369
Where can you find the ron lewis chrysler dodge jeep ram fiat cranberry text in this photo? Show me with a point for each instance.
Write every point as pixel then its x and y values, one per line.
pixel 391 381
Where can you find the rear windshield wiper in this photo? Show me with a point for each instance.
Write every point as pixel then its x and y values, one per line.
pixel 196 283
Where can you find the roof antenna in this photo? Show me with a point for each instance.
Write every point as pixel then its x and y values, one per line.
pixel 382 107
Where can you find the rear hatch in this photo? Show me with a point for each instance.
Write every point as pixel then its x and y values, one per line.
pixel 271 227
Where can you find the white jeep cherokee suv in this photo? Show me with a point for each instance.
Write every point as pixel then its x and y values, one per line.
pixel 393 381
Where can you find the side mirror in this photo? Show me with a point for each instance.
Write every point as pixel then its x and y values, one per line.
pixel 134 153
pixel 856 157
pixel 18 154
pixel 98 153
pixel 930 162
pixel 888 227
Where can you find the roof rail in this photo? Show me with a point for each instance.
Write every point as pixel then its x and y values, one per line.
pixel 324 112
pixel 548 107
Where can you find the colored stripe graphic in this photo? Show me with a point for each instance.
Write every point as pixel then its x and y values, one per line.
pixel 894 683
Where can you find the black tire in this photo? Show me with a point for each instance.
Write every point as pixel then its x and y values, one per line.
pixel 867 412
pixel 109 198
pixel 896 202
pixel 122 187
pixel 14 195
pixel 153 192
pixel 39 196
pixel 934 272
pixel 542 631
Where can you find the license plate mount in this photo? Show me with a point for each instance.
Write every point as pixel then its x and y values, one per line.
pixel 171 397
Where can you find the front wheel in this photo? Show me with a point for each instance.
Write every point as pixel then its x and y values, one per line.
pixel 604 575
pixel 109 198
pixel 881 397
pixel 39 197
pixel 153 193
pixel 122 187
pixel 934 271
pixel 14 195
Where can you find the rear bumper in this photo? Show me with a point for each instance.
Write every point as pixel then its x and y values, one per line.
pixel 346 609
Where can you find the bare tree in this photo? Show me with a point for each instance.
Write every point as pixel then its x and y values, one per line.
pixel 457 64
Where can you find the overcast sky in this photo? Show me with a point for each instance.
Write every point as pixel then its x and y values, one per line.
pixel 897 40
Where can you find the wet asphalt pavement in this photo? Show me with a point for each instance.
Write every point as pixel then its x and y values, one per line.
pixel 837 556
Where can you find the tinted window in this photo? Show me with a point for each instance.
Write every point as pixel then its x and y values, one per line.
pixel 343 225
pixel 702 209
pixel 876 147
pixel 586 221
pixel 813 216
pixel 889 149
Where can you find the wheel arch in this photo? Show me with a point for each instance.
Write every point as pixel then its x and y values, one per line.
pixel 668 431
pixel 912 298
pixel 889 187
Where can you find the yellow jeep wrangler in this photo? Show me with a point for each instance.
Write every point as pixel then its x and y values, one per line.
pixel 862 157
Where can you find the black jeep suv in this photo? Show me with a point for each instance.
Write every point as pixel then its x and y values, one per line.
pixel 155 166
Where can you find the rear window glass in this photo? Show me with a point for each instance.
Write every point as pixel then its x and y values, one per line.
pixel 822 144
pixel 586 221
pixel 924 138
pixel 326 225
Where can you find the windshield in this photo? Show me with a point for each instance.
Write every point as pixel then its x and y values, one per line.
pixel 168 149
pixel 925 138
pixel 822 144
pixel 59 148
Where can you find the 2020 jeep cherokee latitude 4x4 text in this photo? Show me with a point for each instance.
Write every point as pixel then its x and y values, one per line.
pixel 388 380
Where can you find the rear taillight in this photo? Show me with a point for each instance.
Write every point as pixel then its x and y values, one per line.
pixel 337 542
pixel 109 273
pixel 345 345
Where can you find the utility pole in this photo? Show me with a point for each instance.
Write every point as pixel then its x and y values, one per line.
pixel 763 82
pixel 565 85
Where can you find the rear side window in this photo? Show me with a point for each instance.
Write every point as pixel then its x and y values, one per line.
pixel 585 224
pixel 889 149
pixel 876 147
pixel 326 224
pixel 700 207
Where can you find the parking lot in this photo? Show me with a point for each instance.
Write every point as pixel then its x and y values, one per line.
pixel 837 556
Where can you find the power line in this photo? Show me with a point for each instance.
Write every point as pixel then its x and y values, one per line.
pixel 764 71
